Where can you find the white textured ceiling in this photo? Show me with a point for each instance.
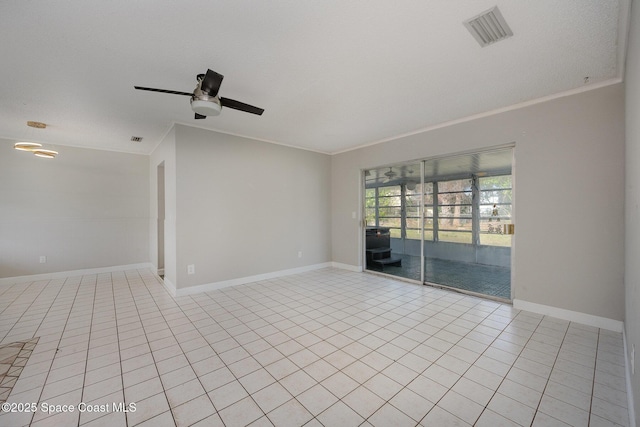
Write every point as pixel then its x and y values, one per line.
pixel 331 74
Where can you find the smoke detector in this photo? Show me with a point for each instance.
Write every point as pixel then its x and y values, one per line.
pixel 488 27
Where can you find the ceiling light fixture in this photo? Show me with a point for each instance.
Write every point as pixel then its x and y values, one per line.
pixel 46 154
pixel 27 146
pixel 34 147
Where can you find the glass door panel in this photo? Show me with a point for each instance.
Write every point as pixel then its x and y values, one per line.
pixel 393 220
pixel 468 199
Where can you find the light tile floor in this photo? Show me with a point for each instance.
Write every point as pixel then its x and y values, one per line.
pixel 328 347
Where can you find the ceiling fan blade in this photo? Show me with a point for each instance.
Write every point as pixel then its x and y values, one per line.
pixel 199 116
pixel 211 83
pixel 175 92
pixel 237 105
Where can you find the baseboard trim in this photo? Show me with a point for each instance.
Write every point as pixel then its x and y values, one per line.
pixel 572 316
pixel 207 287
pixel 170 287
pixel 349 267
pixel 70 273
pixel 627 370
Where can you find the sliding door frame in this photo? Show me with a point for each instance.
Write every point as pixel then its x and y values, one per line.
pixel 475 214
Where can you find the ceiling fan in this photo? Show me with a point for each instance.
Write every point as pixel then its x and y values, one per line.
pixel 204 98
pixel 390 174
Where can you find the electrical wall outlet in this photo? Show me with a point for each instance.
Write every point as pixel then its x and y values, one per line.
pixel 299 254
pixel 191 269
pixel 43 259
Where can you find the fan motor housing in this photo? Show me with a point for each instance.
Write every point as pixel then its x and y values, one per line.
pixel 203 103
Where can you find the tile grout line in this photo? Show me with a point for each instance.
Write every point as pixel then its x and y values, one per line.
pixel 86 363
pixel 389 341
pixel 60 340
pixel 115 318
pixel 441 309
pixel 471 365
pixel 171 409
pixel 225 363
pixel 549 378
pixel 44 286
pixel 593 383
pixel 371 350
pixel 155 364
pixel 272 347
pixel 439 357
pixel 86 366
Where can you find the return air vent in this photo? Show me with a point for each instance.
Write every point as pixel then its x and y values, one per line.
pixel 136 138
pixel 489 27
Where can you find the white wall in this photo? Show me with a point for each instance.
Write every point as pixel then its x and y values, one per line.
pixel 83 209
pixel 632 213
pixel 569 195
pixel 164 152
pixel 247 207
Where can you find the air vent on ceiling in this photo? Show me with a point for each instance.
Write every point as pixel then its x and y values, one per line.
pixel 136 138
pixel 489 27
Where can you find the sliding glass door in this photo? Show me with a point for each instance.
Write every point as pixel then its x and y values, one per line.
pixel 442 221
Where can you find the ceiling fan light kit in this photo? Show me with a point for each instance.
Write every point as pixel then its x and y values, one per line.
pixel 390 174
pixel 206 108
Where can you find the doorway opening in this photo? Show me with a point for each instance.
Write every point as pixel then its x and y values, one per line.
pixel 161 219
pixel 443 221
